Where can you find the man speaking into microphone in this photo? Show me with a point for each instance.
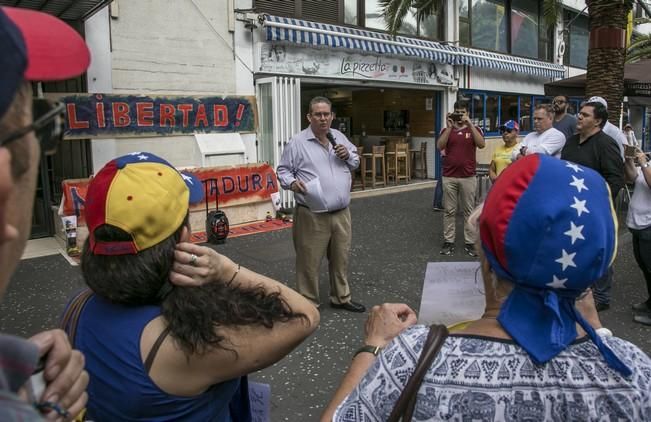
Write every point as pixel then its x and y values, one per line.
pixel 316 165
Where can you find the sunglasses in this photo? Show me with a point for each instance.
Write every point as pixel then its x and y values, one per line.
pixel 48 125
pixel 507 130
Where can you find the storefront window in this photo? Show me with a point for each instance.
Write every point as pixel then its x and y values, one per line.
pixel 576 52
pixel 464 23
pixel 488 25
pixel 350 12
pixel 477 110
pixel 524 27
pixel 492 113
pixel 525 113
pixel 509 108
pixel 490 110
pixel 510 27
pixel 373 15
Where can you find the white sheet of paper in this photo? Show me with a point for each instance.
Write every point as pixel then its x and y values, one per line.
pixel 260 399
pixel 314 195
pixel 451 294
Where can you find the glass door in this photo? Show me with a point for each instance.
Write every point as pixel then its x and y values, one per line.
pixel 279 103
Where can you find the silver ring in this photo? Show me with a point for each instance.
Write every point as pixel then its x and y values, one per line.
pixel 193 260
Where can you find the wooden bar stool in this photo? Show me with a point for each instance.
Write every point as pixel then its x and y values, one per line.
pixel 359 175
pixel 377 154
pixel 398 163
pixel 418 161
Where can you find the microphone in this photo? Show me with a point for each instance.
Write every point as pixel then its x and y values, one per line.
pixel 331 139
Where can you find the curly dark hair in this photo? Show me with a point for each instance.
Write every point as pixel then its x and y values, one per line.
pixel 193 314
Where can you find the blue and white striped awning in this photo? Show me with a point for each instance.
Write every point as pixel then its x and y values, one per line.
pixel 317 34
pixel 322 34
pixel 487 59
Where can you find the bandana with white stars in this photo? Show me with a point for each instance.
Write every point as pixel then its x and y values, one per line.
pixel 549 227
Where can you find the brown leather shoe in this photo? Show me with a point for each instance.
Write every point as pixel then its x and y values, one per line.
pixel 349 306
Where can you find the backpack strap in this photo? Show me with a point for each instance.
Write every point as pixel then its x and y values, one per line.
pixel 70 317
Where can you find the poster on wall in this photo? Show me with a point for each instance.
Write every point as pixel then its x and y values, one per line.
pixel 114 116
pixel 291 60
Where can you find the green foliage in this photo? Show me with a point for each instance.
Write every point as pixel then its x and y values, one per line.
pixel 551 11
pixel 394 11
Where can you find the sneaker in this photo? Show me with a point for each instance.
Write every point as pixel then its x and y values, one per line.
pixel 602 306
pixel 447 249
pixel 437 209
pixel 642 307
pixel 642 319
pixel 470 249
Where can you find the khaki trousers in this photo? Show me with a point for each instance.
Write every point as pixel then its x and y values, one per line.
pixel 316 235
pixel 458 192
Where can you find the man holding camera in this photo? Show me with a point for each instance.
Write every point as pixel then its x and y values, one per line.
pixel 545 140
pixel 459 141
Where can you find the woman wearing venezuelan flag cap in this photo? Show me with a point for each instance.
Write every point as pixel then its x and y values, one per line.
pixel 547 231
pixel 160 351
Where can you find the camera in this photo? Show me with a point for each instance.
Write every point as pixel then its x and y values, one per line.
pixel 456 117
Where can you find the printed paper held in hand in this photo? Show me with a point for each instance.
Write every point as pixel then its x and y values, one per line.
pixel 314 196
pixel 452 292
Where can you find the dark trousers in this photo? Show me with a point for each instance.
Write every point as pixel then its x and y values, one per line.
pixel 642 252
pixel 438 194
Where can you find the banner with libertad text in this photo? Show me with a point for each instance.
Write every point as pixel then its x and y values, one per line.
pixel 114 116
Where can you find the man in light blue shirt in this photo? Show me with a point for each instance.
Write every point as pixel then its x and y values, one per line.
pixel 318 170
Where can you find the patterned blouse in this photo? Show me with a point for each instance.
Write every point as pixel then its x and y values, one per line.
pixel 478 378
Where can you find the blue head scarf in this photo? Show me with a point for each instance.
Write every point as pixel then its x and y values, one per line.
pixel 549 227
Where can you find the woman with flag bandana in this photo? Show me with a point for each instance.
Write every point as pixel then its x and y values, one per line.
pixel 539 351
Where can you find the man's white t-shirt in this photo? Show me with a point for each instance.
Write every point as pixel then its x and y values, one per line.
pixel 619 137
pixel 550 142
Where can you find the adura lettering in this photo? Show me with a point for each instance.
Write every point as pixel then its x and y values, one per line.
pixel 365 69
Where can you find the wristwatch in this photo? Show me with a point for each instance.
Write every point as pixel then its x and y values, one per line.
pixel 375 350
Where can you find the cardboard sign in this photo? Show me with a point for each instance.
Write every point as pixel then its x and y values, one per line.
pixel 101 115
pixel 235 185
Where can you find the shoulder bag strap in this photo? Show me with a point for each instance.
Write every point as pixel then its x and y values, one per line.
pixel 404 407
pixel 70 316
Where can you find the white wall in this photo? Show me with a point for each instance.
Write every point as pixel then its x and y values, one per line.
pixel 168 47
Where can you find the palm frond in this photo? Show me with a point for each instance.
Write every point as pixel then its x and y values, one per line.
pixel 426 8
pixel 639 54
pixel 551 11
pixel 394 12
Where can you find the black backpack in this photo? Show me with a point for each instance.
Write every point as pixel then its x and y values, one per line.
pixel 216 221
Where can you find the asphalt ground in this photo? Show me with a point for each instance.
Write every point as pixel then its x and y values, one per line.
pixel 394 237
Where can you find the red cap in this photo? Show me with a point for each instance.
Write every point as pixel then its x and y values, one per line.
pixel 55 51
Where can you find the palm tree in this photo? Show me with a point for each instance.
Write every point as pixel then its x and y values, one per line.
pixel 606 55
pixel 607 52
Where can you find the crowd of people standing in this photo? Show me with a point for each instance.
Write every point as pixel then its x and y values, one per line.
pixel 168 330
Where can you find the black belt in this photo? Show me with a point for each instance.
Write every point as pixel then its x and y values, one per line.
pixel 326 212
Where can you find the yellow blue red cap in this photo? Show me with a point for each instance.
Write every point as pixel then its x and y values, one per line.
pixel 143 195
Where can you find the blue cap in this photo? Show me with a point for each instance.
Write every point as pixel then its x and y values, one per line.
pixel 511 124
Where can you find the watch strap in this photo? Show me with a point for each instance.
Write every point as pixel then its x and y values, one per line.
pixel 375 350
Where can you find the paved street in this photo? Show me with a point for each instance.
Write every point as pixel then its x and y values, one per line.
pixel 394 237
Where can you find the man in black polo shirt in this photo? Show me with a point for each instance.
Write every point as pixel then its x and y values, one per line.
pixel 591 147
